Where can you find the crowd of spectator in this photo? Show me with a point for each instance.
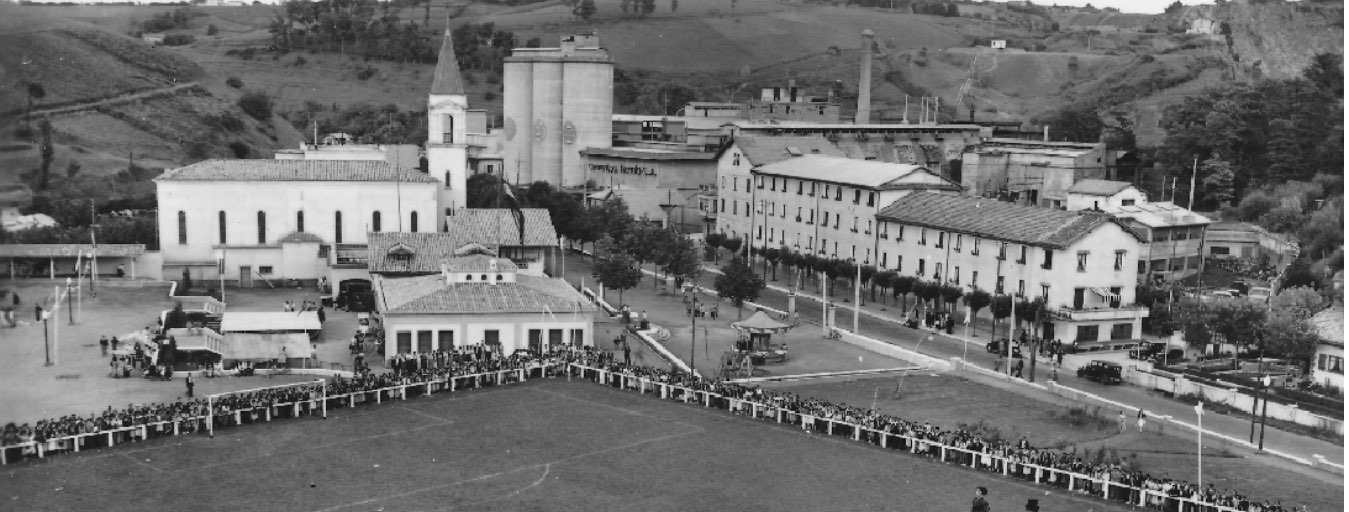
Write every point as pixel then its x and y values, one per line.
pixel 974 449
pixel 990 453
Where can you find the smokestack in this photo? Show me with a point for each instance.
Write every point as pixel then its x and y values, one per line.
pixel 864 84
pixel 1046 133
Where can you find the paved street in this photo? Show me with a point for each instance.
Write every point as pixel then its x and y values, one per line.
pixel 884 325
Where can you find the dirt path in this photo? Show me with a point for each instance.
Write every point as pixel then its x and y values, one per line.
pixel 115 100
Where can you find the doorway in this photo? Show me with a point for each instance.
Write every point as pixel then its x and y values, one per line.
pixel 245 276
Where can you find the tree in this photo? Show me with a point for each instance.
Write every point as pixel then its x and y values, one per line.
pixel 1077 123
pixel 614 268
pixel 739 283
pixel 1001 308
pixel 1194 318
pixel 611 218
pixel 212 30
pixel 646 7
pixel 176 318
pixel 1299 273
pixel 1291 337
pixel 48 151
pixel 1240 321
pixel 977 300
pixel 1327 74
pixel 1281 219
pixel 1218 180
pixel 886 281
pixel 1323 230
pixel 683 258
pixel 674 5
pixel 932 293
pixel 950 294
pixel 901 287
pixel 585 9
pixel 1300 302
pixel 772 255
pixel 919 289
pixel 187 280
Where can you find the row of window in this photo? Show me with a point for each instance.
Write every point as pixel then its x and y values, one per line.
pixel 803 187
pixel 429 341
pixel 376 225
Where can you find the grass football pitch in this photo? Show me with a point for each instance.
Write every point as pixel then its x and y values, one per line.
pixel 544 445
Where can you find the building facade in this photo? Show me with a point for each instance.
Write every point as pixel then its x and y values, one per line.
pixel 734 184
pixel 1032 172
pixel 1084 264
pixel 479 299
pixel 1328 360
pixel 272 219
pixel 1229 240
pixel 827 205
pixel 557 102
pixel 1175 235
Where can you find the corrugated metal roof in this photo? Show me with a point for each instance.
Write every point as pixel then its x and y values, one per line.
pixel 431 295
pixel 294 170
pixel 1158 215
pixel 999 220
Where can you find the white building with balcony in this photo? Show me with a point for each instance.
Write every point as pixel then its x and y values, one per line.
pixel 1175 234
pixel 827 205
pixel 1084 264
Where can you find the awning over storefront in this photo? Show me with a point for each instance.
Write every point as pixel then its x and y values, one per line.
pixel 1105 294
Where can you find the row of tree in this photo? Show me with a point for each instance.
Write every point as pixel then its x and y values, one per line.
pixel 368 122
pixel 927 294
pixel 1281 329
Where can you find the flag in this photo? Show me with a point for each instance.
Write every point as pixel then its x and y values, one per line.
pixel 1199 408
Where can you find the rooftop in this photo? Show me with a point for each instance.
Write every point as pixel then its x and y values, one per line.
pixel 447 80
pixel 1158 215
pixel 999 220
pixel 763 150
pixel 487 228
pixel 1099 187
pixel 848 171
pixel 648 154
pixel 294 170
pixel 255 321
pixel 479 263
pixel 849 127
pixel 430 294
pixel 1329 324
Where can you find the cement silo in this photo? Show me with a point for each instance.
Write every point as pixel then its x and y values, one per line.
pixel 558 101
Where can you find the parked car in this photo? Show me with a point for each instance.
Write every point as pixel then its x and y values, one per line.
pixel 1260 294
pixel 997 347
pixel 1172 356
pixel 1146 349
pixel 1104 372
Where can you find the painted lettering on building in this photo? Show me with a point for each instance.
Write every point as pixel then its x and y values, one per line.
pixel 632 170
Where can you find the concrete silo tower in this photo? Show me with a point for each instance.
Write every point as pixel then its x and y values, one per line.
pixel 558 101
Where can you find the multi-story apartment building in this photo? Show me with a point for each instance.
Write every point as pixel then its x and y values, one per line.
pixel 731 213
pixel 1032 172
pixel 1084 264
pixel 1175 235
pixel 827 205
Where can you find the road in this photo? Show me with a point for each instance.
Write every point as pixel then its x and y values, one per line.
pixel 945 347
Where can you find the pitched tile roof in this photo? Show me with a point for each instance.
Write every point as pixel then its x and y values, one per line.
pixel 431 295
pixel 490 228
pixel 497 226
pixel 988 218
pixel 848 171
pixel 1099 187
pixel 294 170
pixel 300 237
pixel 763 150
pixel 479 263
pixel 447 80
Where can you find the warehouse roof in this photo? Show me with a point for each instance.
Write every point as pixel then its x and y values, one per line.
pixel 764 150
pixel 1099 187
pixel 999 220
pixel 858 173
pixel 294 170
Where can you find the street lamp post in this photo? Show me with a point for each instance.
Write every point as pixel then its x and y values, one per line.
pixel 1199 413
pixel 70 302
pixel 1264 412
pixel 693 335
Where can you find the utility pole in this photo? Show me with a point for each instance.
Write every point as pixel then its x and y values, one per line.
pixel 693 335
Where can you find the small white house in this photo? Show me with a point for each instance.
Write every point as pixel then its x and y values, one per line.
pixel 999 44
pixel 1328 363
pixel 154 38
pixel 481 300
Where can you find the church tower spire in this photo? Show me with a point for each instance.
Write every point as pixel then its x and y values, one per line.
pixel 447 144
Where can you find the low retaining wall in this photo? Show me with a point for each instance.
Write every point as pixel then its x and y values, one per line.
pixel 1232 396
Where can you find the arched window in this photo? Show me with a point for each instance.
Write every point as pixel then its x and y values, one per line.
pixel 262 227
pixel 414 222
pixel 182 228
pixel 337 228
pixel 222 227
pixel 447 132
pixel 374 222
pixel 499 277
pixel 468 277
pixel 299 221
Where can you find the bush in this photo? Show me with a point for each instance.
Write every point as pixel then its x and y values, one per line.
pixel 257 104
pixel 212 30
pixel 300 61
pixel 240 149
pixel 234 82
pixel 229 122
pixel 199 150
pixel 178 39
pixel 366 72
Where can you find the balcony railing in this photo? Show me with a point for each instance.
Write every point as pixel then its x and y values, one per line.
pixel 1103 312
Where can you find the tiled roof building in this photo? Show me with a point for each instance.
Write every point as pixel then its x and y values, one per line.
pixel 989 218
pixel 294 170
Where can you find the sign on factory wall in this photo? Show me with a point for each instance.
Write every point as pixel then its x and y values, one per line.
pixel 629 170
